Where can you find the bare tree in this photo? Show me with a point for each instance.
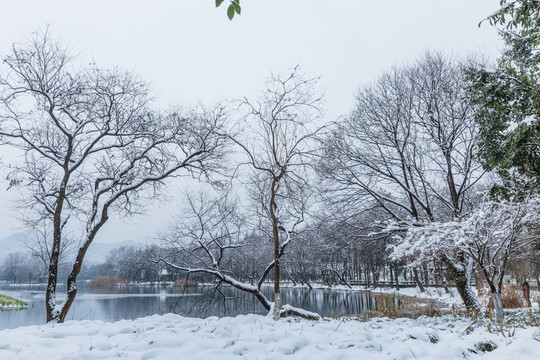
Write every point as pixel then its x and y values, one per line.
pixel 410 149
pixel 11 266
pixel 89 146
pixel 21 267
pixel 277 137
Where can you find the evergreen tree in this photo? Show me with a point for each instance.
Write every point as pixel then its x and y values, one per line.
pixel 509 96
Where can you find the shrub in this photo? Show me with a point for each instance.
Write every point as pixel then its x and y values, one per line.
pixel 184 283
pixel 512 297
pixel 105 281
pixel 389 305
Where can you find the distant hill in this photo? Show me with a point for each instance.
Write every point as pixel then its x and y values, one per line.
pixel 12 243
pixel 97 252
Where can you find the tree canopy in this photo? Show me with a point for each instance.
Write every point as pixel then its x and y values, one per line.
pixel 509 94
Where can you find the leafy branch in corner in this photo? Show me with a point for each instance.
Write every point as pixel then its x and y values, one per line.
pixel 234 8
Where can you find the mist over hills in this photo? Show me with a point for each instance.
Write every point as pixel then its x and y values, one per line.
pixel 12 243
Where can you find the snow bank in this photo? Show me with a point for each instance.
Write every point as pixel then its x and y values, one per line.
pixel 259 337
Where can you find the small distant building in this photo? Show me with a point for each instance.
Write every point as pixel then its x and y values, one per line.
pixel 165 275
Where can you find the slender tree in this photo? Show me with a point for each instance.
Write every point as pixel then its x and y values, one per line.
pixel 277 138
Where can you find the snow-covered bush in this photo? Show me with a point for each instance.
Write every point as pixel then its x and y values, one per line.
pixel 490 237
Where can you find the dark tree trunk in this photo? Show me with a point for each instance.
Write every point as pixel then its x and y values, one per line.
pixel 435 275
pixel 275 231
pixel 425 274
pixel 397 276
pixel 417 280
pixel 459 275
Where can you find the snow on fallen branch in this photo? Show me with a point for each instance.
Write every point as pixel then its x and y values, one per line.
pixel 288 310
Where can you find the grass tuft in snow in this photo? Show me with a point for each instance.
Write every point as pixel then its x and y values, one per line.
pixel 391 306
pixel 520 319
pixel 9 303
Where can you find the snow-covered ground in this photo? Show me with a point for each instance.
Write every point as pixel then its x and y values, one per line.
pixel 259 337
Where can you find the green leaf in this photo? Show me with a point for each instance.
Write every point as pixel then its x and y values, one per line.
pixel 219 2
pixel 230 12
pixel 236 5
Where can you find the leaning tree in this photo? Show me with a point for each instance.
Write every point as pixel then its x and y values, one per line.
pixel 275 138
pixel 87 146
pixel 493 235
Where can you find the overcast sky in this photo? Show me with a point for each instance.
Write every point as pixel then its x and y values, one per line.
pixel 191 52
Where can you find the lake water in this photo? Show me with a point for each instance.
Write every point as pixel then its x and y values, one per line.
pixel 131 302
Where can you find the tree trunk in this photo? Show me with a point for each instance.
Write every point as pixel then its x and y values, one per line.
pixel 397 276
pixel 498 305
pixel 53 314
pixel 275 230
pixel 374 278
pixel 425 274
pixel 479 283
pixel 291 277
pixel 444 278
pixel 417 280
pixel 435 274
pixel 463 285
pixel 277 305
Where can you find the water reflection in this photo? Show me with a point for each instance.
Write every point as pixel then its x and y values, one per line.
pixel 130 302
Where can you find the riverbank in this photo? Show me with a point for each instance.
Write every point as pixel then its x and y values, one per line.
pixel 259 337
pixel 450 299
pixel 430 293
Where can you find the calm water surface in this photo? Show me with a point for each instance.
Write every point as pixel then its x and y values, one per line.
pixel 131 302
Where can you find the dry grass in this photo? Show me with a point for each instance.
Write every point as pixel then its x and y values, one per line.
pixel 105 281
pixel 512 297
pixel 389 305
pixel 184 283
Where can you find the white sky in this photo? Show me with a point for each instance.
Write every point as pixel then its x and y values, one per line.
pixel 190 51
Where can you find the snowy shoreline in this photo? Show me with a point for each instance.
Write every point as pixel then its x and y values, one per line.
pixel 258 337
